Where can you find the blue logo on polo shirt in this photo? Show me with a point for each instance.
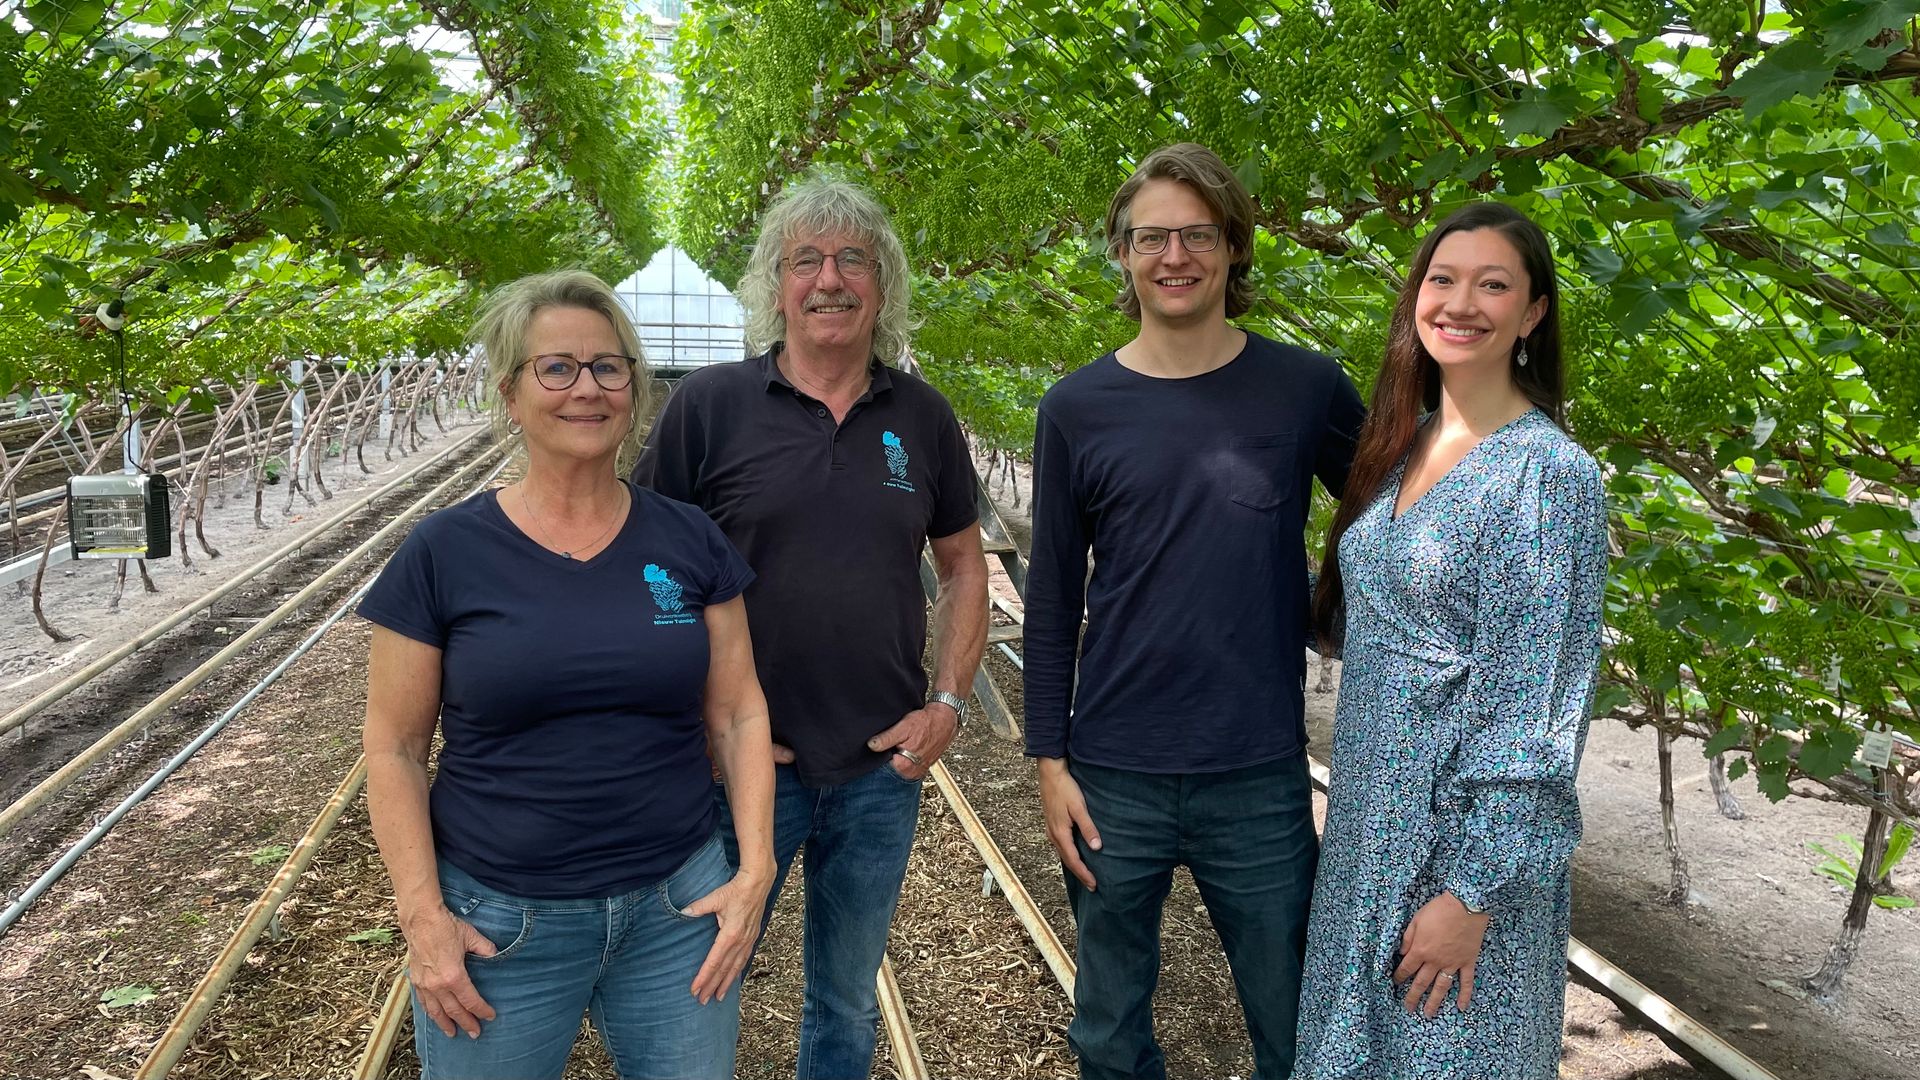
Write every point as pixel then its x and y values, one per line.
pixel 896 461
pixel 666 596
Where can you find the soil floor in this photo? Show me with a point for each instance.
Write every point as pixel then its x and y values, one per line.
pixel 96 971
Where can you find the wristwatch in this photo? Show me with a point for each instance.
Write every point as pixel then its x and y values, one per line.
pixel 953 701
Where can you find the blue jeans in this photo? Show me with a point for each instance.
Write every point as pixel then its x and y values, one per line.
pixel 1247 835
pixel 629 961
pixel 857 836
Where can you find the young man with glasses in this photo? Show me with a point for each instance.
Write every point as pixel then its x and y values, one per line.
pixel 828 469
pixel 1174 734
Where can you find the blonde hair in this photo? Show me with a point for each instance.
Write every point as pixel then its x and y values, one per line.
pixel 1202 170
pixel 821 204
pixel 500 330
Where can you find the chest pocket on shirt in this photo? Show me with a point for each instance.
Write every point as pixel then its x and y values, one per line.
pixel 1261 470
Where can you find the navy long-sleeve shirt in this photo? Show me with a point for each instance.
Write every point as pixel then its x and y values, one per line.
pixel 1192 496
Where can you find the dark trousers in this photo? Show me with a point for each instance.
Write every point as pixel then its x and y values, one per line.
pixel 1247 837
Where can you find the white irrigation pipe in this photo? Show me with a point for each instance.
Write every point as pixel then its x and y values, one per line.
pixel 68 773
pixel 98 832
pixel 86 674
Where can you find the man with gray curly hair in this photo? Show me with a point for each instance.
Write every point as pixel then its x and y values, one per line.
pixel 829 468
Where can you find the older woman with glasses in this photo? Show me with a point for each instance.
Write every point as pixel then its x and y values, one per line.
pixel 582 645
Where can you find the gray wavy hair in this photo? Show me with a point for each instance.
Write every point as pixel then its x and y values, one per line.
pixel 500 330
pixel 821 204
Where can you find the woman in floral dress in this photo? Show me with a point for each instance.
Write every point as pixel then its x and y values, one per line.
pixel 1470 556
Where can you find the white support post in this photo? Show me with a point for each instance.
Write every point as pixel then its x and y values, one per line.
pixel 294 472
pixel 130 443
pixel 386 400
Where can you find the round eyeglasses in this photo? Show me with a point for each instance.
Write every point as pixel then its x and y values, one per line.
pixel 852 263
pixel 559 371
pixel 1153 239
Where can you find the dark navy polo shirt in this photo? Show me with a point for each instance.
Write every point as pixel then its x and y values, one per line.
pixel 832 519
pixel 1191 495
pixel 575 758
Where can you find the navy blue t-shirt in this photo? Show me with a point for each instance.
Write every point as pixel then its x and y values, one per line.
pixel 575 759
pixel 1192 496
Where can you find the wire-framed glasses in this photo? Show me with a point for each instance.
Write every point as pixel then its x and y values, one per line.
pixel 559 371
pixel 1152 239
pixel 853 263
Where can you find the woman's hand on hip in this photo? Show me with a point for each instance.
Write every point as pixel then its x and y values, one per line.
pixel 737 905
pixel 1438 952
pixel 440 944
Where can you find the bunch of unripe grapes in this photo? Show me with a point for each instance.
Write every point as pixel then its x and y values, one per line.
pixel 1723 22
pixel 1893 371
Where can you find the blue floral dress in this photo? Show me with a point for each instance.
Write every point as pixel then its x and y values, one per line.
pixel 1472 640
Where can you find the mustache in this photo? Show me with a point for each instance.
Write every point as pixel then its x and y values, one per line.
pixel 837 298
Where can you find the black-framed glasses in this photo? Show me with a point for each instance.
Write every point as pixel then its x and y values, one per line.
pixel 559 371
pixel 853 263
pixel 1153 239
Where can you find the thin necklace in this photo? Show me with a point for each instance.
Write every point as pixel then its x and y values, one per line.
pixel 547 538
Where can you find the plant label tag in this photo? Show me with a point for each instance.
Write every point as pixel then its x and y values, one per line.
pixel 1876 749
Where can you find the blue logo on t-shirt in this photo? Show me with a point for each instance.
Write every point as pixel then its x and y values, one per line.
pixel 666 596
pixel 896 461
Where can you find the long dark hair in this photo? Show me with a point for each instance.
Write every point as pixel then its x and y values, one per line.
pixel 1408 385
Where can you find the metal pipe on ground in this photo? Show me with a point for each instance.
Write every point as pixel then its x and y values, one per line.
pixel 86 674
pixel 68 773
pixel 900 1038
pixel 1665 1015
pixel 173 1044
pixel 1024 908
pixel 86 843
pixel 386 1027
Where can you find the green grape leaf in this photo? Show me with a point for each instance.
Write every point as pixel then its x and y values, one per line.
pixel 1540 111
pixel 1850 25
pixel 1893 234
pixel 1724 740
pixel 120 997
pixel 1799 67
pixel 329 213
pixel 1771 778
pixel 1869 517
pixel 1600 264
pixel 1899 842
pixel 1827 751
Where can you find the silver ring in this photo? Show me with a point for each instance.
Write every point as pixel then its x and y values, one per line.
pixel 911 756
pixel 1447 975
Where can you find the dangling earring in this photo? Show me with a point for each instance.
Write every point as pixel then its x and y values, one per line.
pixel 1520 357
pixel 514 428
